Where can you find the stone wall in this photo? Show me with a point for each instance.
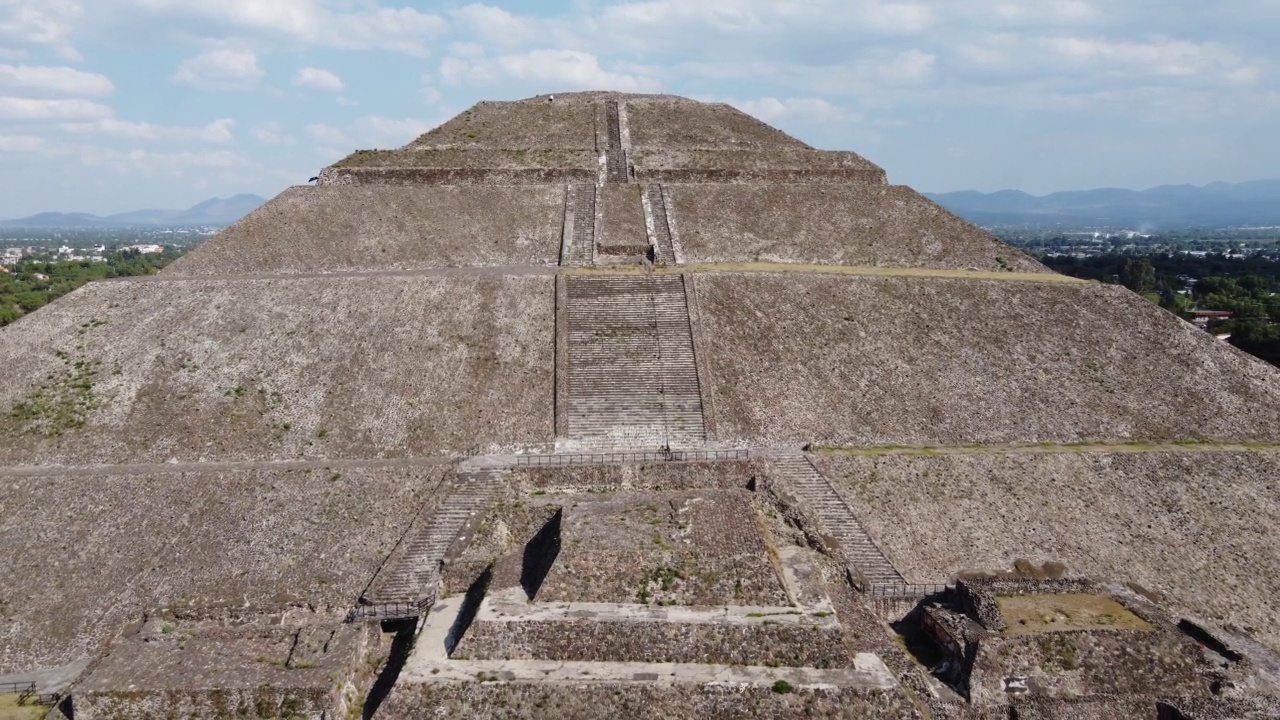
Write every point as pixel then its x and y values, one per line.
pixel 124 544
pixel 651 476
pixel 639 701
pixel 837 224
pixel 1183 524
pixel 840 360
pixel 268 703
pixel 738 644
pixel 1087 663
pixel 366 228
pixel 142 371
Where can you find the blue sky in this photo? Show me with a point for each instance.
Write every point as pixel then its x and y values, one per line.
pixel 115 105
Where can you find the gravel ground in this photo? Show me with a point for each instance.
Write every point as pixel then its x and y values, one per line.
pixel 90 554
pixel 354 367
pixel 387 227
pixel 638 701
pixel 846 360
pixel 1197 528
pixel 844 224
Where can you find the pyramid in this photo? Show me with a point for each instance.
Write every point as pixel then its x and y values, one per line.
pixel 601 405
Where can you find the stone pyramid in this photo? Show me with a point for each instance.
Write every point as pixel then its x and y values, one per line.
pixel 601 405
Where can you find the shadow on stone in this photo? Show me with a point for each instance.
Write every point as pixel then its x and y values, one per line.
pixel 64 709
pixel 401 646
pixel 470 607
pixel 540 554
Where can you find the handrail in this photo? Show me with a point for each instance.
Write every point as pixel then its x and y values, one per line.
pixel 617 458
pixel 387 611
pixel 907 590
pixel 11 688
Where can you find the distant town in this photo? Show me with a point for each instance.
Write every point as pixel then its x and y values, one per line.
pixel 1225 280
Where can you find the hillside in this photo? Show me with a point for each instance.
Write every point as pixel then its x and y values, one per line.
pixel 631 406
pixel 1164 207
pixel 214 211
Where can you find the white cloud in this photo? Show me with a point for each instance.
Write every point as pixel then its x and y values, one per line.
pixel 911 66
pixel 58 80
pixel 329 135
pixel 719 15
pixel 218 131
pixel 47 23
pixel 384 132
pixel 549 69
pixel 221 70
pixel 13 108
pixel 503 30
pixel 807 110
pixel 307 22
pixel 895 17
pixel 747 27
pixel 21 143
pixel 318 79
pixel 272 134
pixel 142 162
pixel 1020 12
pixel 1161 56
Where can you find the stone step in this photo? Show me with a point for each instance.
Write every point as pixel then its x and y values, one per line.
pixel 582 243
pixel 663 250
pixel 616 161
pixel 412 573
pixel 632 372
pixel 836 518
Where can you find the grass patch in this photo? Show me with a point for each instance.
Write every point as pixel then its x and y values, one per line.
pixel 10 709
pixel 1061 612
pixel 773 267
pixel 1123 446
pixel 63 403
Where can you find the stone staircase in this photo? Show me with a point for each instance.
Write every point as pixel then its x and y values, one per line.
pixel 633 380
pixel 663 251
pixel 582 242
pixel 410 578
pixel 874 572
pixel 616 162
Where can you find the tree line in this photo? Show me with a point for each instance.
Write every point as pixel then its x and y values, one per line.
pixel 25 289
pixel 1248 287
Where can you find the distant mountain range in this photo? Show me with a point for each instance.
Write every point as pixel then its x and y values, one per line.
pixel 1166 207
pixel 215 211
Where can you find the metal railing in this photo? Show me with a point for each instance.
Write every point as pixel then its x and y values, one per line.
pixel 387 611
pixel 907 590
pixel 619 458
pixel 28 693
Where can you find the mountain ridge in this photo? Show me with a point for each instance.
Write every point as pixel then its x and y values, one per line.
pixel 1256 202
pixel 214 211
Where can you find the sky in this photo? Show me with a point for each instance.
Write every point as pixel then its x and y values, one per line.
pixel 116 105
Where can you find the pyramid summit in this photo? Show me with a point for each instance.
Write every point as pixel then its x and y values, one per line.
pixel 603 405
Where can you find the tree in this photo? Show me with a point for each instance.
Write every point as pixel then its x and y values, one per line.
pixel 1138 275
pixel 1257 339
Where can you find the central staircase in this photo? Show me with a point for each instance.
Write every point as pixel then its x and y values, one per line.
pixel 663 248
pixel 582 239
pixel 633 380
pixel 617 168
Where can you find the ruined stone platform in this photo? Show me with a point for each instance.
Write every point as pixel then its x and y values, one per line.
pixel 610 405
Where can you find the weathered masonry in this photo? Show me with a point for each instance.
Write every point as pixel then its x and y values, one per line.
pixel 603 405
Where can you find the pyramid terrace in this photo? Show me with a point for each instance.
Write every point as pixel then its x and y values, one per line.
pixel 604 405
